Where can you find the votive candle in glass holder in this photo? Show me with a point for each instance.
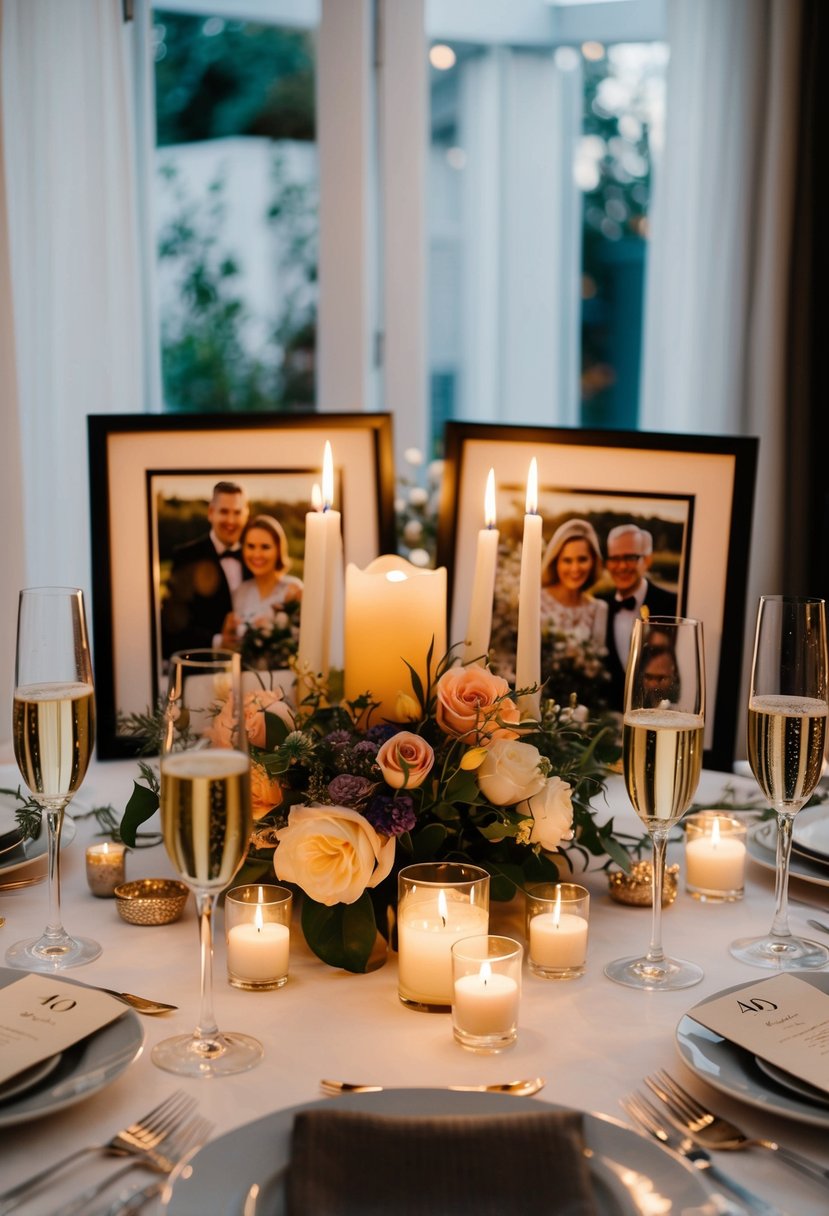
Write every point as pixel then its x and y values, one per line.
pixel 715 856
pixel 557 924
pixel 438 903
pixel 105 868
pixel 258 936
pixel 486 976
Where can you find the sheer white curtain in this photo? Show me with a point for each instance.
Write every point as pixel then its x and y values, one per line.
pixel 72 281
pixel 717 286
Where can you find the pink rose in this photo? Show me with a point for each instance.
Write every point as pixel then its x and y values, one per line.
pixel 405 760
pixel 265 791
pixel 470 700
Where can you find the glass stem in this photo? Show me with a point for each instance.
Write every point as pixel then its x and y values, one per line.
pixel 660 844
pixel 53 813
pixel 205 907
pixel 780 924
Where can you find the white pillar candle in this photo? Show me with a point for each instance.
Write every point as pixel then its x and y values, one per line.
pixel 528 656
pixel 258 951
pixel 715 862
pixel 394 613
pixel 321 578
pixel 486 1003
pixel 427 931
pixel 558 940
pixel 479 626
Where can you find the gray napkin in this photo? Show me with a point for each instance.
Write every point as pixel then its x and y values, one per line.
pixel 347 1163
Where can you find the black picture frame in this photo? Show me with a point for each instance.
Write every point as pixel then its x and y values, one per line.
pixel 715 475
pixel 127 451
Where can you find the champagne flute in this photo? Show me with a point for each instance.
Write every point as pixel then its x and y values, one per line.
pixel 663 744
pixel 787 711
pixel 54 732
pixel 206 822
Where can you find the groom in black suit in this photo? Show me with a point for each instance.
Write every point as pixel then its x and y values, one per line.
pixel 629 556
pixel 206 572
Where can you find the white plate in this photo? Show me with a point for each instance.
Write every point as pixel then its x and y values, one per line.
pixel 32 865
pixel 810 833
pixel 761 844
pixel 29 1078
pixel 793 1084
pixel 83 1069
pixel 734 1071
pixel 258 1152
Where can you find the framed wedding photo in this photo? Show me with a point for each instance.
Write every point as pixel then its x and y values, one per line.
pixel 682 503
pixel 152 481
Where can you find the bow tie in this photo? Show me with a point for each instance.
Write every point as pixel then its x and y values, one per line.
pixel 629 603
pixel 236 553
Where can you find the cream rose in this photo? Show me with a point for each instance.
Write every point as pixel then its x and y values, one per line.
pixel 333 853
pixel 552 813
pixel 405 760
pixel 265 791
pixel 466 704
pixel 511 772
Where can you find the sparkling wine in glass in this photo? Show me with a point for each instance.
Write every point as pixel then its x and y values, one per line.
pixel 206 822
pixel 787 713
pixel 53 729
pixel 663 745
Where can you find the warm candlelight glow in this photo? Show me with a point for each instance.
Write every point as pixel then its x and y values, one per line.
pixel 396 576
pixel 327 477
pixel 715 833
pixel 443 911
pixel 557 909
pixel 532 488
pixel 485 972
pixel 489 500
pixel 258 918
pixel 316 497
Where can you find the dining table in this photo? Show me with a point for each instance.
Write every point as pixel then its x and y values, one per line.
pixel 592 1040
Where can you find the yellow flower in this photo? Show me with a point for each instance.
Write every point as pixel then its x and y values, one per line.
pixel 406 709
pixel 474 758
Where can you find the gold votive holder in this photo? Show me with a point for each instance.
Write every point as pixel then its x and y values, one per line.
pixel 715 857
pixel 556 927
pixel 258 936
pixel 105 868
pixel 151 901
pixel 635 888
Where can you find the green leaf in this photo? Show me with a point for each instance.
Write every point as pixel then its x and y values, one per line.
pixel 462 787
pixel 276 732
pixel 342 935
pixel 417 686
pixel 427 842
pixel 617 852
pixel 142 805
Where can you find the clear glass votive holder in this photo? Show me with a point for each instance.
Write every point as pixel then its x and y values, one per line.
pixel 486 975
pixel 715 857
pixel 558 914
pixel 258 936
pixel 105 868
pixel 438 903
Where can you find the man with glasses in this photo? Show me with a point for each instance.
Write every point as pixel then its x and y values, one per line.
pixel 629 556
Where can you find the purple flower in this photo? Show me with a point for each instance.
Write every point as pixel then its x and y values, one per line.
pixel 365 748
pixel 346 790
pixel 383 731
pixel 338 738
pixel 391 815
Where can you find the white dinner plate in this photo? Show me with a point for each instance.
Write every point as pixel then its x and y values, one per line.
pixel 793 1084
pixel 734 1071
pixel 810 833
pixel 31 865
pixel 83 1069
pixel 761 845
pixel 224 1171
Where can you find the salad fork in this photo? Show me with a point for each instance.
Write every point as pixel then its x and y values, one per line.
pixel 714 1132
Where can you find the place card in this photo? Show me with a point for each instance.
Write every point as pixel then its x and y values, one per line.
pixel 783 1019
pixel 41 1016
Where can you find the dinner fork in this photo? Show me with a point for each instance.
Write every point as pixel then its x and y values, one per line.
pixel 645 1115
pixel 145 1134
pixel 714 1132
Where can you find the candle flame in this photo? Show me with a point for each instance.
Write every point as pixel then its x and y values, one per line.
pixel 396 576
pixel 489 500
pixel 715 832
pixel 557 908
pixel 327 478
pixel 532 488
pixel 443 911
pixel 485 972
pixel 258 919
pixel 316 497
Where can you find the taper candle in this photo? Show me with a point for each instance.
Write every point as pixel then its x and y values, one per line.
pixel 479 627
pixel 528 656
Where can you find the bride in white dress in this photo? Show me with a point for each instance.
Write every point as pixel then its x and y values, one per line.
pixel 257 599
pixel 572 562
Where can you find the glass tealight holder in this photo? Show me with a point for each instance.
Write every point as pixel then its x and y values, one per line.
pixel 438 903
pixel 486 977
pixel 105 868
pixel 258 936
pixel 557 922
pixel 715 856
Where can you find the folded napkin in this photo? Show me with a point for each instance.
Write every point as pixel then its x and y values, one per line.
pixel 347 1163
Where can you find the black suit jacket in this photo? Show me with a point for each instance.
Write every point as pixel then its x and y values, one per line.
pixel 198 597
pixel 658 602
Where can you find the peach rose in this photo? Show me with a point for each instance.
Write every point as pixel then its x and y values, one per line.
pixel 405 760
pixel 466 705
pixel 265 791
pixel 333 853
pixel 256 705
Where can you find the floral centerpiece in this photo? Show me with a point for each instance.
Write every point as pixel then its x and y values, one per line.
pixel 341 801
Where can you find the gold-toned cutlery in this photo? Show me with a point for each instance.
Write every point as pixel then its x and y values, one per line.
pixel 518 1088
pixel 819 925
pixel 141 1004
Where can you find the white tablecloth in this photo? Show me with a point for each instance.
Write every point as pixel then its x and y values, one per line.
pixel 593 1040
